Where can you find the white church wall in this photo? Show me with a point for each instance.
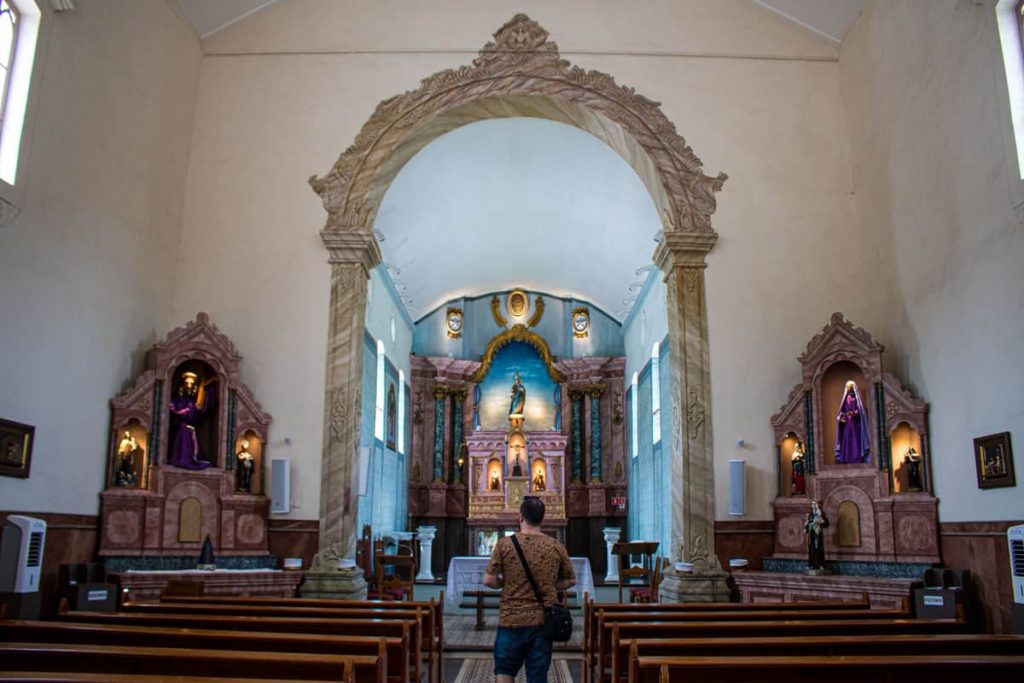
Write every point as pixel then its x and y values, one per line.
pixel 87 269
pixel 754 96
pixel 932 167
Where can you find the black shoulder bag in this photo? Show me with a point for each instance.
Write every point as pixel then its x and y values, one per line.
pixel 557 619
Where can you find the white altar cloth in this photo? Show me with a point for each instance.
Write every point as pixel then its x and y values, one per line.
pixel 467 574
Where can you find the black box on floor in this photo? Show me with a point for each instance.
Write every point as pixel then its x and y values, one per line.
pixel 937 603
pixel 85 587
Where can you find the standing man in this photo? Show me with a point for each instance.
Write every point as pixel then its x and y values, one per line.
pixel 521 636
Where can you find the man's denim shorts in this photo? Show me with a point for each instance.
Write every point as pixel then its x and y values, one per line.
pixel 528 645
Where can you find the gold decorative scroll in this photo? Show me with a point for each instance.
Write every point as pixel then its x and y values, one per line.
pixel 496 312
pixel 538 313
pixel 521 334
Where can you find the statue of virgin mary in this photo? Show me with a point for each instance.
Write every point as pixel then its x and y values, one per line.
pixel 518 403
pixel 852 443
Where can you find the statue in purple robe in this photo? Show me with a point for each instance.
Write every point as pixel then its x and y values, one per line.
pixel 852 444
pixel 188 409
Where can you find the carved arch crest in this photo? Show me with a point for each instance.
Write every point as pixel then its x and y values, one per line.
pixel 521 63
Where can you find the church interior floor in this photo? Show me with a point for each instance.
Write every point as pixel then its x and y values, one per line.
pixel 478 667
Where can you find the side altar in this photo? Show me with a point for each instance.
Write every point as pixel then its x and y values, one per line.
pixel 854 510
pixel 185 460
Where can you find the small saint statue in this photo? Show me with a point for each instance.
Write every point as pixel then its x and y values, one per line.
pixel 852 444
pixel 913 460
pixel 814 525
pixel 245 466
pixel 799 464
pixel 127 449
pixel 495 481
pixel 538 480
pixel 206 561
pixel 518 402
pixel 188 409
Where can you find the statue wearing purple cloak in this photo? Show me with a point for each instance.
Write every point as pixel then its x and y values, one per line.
pixel 852 444
pixel 187 411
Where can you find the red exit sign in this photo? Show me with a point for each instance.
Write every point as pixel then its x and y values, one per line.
pixel 618 501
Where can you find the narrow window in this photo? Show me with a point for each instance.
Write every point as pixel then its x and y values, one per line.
pixel 401 411
pixel 633 418
pixel 19 29
pixel 378 421
pixel 1010 19
pixel 655 395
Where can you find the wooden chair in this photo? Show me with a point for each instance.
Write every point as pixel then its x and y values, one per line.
pixel 649 594
pixel 630 573
pixel 396 576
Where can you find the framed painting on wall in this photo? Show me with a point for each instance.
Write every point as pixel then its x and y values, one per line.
pixel 993 458
pixel 15 448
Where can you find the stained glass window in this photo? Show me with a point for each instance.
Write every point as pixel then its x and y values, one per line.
pixel 8 36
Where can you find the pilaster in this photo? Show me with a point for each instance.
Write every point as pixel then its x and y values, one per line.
pixel 680 255
pixel 352 256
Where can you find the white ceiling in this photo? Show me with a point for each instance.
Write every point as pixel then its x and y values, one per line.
pixel 209 16
pixel 830 19
pixel 517 202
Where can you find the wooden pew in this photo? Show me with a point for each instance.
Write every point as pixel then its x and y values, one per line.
pixel 598 640
pixel 625 651
pixel 601 662
pixel 590 609
pixel 813 669
pixel 378 628
pixel 83 677
pixel 396 649
pixel 51 657
pixel 434 609
pixel 417 614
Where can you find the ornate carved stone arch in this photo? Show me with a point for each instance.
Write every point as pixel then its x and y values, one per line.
pixel 521 63
pixel 521 73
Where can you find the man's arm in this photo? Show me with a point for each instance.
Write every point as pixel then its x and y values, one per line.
pixel 494 574
pixel 566 575
pixel 493 580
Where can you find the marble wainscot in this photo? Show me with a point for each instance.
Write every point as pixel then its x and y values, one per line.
pixel 146 586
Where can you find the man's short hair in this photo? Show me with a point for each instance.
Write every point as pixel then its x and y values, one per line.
pixel 532 510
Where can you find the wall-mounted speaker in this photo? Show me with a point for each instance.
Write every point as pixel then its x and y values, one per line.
pixel 736 487
pixel 280 486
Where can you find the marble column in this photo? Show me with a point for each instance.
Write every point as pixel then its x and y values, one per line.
pixel 353 254
pixel 440 393
pixel 680 255
pixel 576 464
pixel 611 537
pixel 594 393
pixel 426 536
pixel 458 402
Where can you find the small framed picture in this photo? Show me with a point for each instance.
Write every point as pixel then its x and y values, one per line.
pixel 993 456
pixel 15 448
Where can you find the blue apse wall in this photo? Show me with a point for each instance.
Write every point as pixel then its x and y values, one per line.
pixel 383 471
pixel 431 338
pixel 649 515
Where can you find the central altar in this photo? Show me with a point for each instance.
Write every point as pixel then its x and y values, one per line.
pixel 505 467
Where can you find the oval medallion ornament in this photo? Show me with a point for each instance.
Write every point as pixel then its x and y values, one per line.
pixel 518 304
pixel 453 322
pixel 581 322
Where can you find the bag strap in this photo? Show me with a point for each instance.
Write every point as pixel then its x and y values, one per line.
pixel 526 568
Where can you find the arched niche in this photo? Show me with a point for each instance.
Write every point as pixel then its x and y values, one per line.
pixel 249 444
pixel 539 479
pixel 493 480
pixel 190 521
pixel 517 456
pixel 831 391
pixel 848 525
pixel 788 485
pixel 129 464
pixel 903 440
pixel 521 73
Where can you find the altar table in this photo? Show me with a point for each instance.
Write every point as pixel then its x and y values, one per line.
pixel 465 574
pixel 147 585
